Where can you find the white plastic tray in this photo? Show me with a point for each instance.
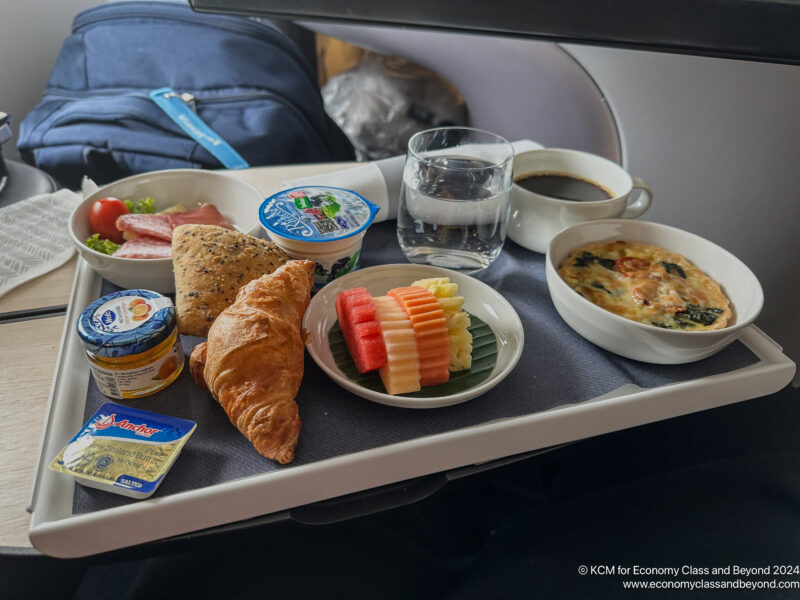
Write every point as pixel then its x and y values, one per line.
pixel 57 532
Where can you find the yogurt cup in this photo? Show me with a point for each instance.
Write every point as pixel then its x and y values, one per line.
pixel 320 223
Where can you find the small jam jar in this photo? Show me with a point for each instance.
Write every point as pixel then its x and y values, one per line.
pixel 132 343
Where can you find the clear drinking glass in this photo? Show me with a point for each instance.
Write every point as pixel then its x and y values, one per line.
pixel 454 201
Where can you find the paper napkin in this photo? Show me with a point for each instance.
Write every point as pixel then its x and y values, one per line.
pixel 34 237
pixel 378 181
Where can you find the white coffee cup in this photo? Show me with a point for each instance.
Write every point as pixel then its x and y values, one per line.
pixel 536 219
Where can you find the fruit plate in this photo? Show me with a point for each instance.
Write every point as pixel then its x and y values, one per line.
pixel 480 300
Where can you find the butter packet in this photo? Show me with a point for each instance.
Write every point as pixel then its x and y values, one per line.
pixel 124 450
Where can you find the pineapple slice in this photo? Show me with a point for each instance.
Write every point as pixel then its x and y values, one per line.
pixel 451 304
pixel 457 320
pixel 461 348
pixel 438 286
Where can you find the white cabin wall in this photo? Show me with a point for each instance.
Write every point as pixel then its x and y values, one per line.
pixel 31 34
pixel 717 140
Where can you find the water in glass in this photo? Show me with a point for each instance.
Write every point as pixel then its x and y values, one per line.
pixel 453 212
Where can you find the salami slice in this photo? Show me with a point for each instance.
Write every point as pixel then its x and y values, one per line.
pixel 145 247
pixel 205 214
pixel 157 226
pixel 161 226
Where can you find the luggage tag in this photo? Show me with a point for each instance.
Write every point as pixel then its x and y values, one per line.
pixel 177 107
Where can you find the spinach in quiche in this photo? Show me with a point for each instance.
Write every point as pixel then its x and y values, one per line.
pixel 648 284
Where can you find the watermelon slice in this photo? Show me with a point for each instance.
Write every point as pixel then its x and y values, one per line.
pixel 342 313
pixel 340 303
pixel 361 331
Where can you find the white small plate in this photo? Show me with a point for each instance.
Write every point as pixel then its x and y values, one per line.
pixel 479 300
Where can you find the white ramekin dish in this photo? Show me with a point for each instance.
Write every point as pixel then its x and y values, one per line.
pixel 637 340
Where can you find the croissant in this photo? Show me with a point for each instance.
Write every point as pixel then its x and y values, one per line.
pixel 252 361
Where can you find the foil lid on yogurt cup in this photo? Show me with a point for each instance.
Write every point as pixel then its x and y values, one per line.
pixel 316 213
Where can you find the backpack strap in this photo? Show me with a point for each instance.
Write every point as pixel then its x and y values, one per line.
pixel 177 108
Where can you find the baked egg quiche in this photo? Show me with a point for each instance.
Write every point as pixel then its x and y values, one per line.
pixel 648 284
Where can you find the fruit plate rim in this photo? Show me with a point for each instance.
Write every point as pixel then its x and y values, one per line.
pixel 479 299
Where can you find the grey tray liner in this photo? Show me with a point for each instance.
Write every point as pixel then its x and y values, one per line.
pixel 558 367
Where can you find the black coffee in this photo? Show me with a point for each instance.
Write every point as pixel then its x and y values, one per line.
pixel 564 187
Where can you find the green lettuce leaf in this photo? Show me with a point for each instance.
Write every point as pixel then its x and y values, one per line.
pixel 101 245
pixel 145 206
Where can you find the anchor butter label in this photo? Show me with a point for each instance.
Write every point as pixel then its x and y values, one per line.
pixel 124 450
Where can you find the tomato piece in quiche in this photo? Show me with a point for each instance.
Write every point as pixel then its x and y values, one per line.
pixel 648 284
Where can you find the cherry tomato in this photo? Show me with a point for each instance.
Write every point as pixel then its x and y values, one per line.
pixel 103 217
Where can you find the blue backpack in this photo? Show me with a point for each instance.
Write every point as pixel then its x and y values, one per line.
pixel 244 79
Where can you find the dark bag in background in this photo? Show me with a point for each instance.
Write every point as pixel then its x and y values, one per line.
pixel 246 79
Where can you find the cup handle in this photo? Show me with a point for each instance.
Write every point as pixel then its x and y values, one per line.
pixel 642 203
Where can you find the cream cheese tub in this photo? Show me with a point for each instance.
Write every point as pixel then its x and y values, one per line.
pixel 320 223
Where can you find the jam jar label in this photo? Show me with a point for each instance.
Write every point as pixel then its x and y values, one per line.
pixel 126 313
pixel 127 383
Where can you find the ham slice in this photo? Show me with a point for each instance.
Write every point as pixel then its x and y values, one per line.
pixel 157 226
pixel 205 214
pixel 145 246
pixel 161 226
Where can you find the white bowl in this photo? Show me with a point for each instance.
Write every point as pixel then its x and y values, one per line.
pixel 236 200
pixel 645 342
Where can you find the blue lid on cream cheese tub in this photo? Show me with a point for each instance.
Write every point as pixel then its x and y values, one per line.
pixel 316 213
pixel 126 322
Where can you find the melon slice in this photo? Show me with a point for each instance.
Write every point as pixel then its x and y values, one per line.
pixel 400 374
pixel 458 321
pixel 430 330
pixel 361 331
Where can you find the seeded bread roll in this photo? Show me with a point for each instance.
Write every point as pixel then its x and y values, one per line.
pixel 211 263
